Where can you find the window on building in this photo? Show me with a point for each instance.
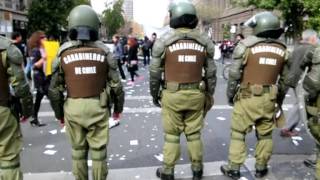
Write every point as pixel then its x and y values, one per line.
pixel 8 4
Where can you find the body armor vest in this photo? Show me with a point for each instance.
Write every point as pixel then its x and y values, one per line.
pixel 184 61
pixel 85 71
pixel 4 84
pixel 265 62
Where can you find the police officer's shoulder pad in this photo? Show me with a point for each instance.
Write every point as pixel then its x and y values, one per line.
pixel 239 50
pixel 102 46
pixel 67 45
pixel 14 55
pixel 316 56
pixel 158 47
pixel 4 43
pixel 252 40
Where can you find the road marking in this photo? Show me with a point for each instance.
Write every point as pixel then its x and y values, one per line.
pixel 182 171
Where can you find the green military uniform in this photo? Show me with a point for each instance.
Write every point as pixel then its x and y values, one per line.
pixel 86 69
pixel 311 84
pixel 255 89
pixel 183 66
pixel 10 135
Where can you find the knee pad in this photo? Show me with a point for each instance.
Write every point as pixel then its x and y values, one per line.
pixel 14 163
pixel 238 136
pixel 170 138
pixel 98 154
pixel 193 137
pixel 79 153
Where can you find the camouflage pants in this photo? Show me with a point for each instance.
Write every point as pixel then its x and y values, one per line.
pixel 88 130
pixel 10 146
pixel 254 111
pixel 182 112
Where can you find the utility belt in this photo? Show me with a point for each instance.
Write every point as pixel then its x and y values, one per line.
pixel 174 86
pixel 247 90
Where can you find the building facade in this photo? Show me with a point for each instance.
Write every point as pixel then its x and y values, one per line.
pixel 227 20
pixel 13 16
pixel 128 9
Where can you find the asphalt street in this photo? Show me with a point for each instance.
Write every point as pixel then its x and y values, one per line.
pixel 135 146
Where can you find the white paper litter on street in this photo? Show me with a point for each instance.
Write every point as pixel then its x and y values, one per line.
pixel 49 146
pixel 221 118
pixel 134 143
pixel 49 152
pixel 53 132
pixel 137 176
pixel 152 139
pixel 159 157
pixel 295 142
pixel 297 138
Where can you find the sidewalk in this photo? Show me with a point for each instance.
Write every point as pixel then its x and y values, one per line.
pixel 282 167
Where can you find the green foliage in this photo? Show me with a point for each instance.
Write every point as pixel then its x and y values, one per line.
pixel 50 15
pixel 113 19
pixel 226 31
pixel 293 12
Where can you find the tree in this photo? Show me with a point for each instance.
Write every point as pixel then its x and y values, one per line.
pixel 113 19
pixel 294 12
pixel 50 16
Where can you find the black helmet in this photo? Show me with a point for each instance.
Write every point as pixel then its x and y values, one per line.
pixel 183 14
pixel 83 23
pixel 265 24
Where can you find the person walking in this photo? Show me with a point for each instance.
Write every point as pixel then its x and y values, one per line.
pixel 119 54
pixel 304 50
pixel 11 72
pixel 254 90
pixel 146 51
pixel 86 68
pixel 41 82
pixel 132 61
pixel 182 83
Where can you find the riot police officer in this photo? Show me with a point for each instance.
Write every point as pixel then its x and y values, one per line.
pixel 86 69
pixel 182 82
pixel 311 84
pixel 11 72
pixel 254 87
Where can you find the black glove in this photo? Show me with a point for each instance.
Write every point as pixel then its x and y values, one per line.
pixel 156 101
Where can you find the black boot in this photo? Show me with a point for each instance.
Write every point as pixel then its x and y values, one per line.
pixel 197 175
pixel 261 173
pixel 163 176
pixel 234 174
pixel 310 163
pixel 36 123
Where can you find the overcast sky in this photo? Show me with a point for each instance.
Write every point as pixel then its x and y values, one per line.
pixel 146 12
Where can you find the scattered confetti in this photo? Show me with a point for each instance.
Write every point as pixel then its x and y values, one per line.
pixel 221 118
pixel 297 138
pixel 49 146
pixel 159 157
pixel 134 142
pixel 53 131
pixel 49 152
pixel 295 142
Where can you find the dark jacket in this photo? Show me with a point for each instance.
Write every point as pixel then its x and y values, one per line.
pixel 301 53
